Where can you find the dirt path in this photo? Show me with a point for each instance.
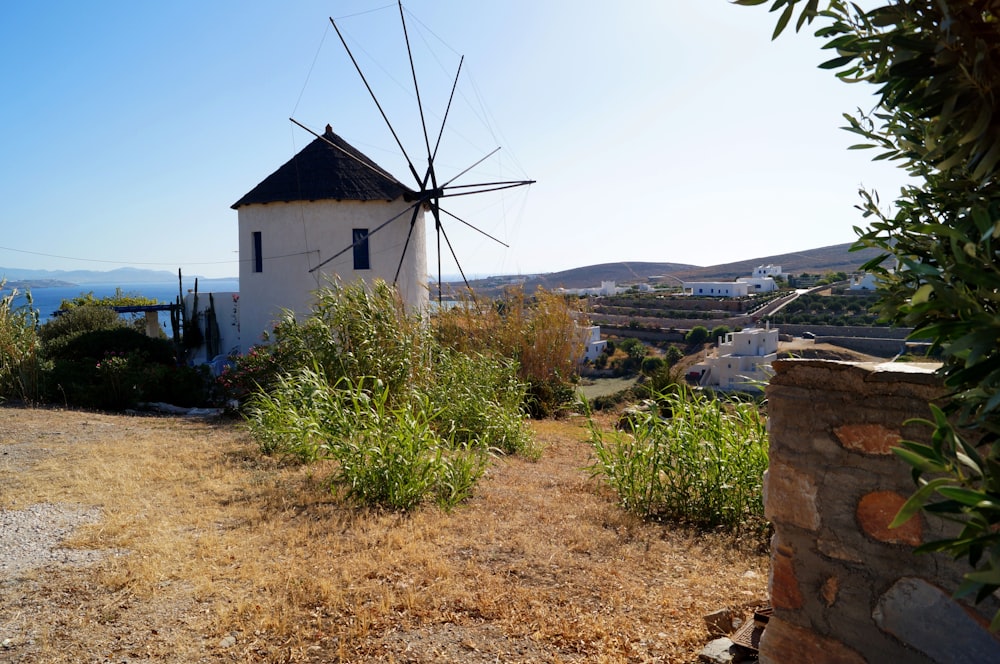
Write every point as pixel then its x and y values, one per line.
pixel 200 550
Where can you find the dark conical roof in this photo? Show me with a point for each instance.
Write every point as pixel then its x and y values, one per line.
pixel 321 171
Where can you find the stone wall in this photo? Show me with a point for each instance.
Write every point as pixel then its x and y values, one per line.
pixel 844 587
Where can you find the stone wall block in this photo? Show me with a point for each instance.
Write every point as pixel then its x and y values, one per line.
pixel 922 615
pixel 790 496
pixel 875 512
pixel 783 642
pixel 873 438
pixel 783 583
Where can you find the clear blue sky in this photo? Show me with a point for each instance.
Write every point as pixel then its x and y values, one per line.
pixel 657 130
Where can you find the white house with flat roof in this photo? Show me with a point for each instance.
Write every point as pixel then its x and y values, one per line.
pixel 593 345
pixel 717 288
pixel 741 362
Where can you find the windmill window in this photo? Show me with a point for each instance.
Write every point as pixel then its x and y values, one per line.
pixel 361 257
pixel 258 252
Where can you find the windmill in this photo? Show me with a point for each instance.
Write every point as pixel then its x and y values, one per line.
pixel 430 190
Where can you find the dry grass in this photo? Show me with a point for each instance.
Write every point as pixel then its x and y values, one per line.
pixel 215 541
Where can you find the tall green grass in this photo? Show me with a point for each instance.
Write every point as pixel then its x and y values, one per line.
pixel 20 366
pixel 387 454
pixel 405 418
pixel 689 458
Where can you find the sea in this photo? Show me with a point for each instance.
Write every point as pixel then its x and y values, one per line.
pixel 48 300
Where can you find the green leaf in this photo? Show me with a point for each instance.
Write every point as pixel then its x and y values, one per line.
pixel 919 461
pixel 922 294
pixel 989 577
pixel 971 497
pixel 836 63
pixel 917 500
pixel 783 21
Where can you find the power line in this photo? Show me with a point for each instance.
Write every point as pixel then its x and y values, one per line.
pixel 98 260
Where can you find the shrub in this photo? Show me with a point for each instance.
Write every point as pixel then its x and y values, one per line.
pixel 20 365
pixel 478 401
pixel 702 465
pixel 651 365
pixel 718 332
pixel 539 333
pixel 697 335
pixel 99 361
pixel 421 425
pixel 390 456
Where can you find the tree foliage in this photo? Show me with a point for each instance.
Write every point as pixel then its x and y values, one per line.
pixel 936 65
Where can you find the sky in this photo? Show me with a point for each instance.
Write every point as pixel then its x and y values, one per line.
pixel 655 130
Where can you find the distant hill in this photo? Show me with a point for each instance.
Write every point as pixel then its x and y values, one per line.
pixel 835 258
pixel 123 275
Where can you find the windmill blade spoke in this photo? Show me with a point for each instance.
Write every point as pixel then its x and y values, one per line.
pixel 370 233
pixel 437 226
pixel 375 99
pixel 409 234
pixel 478 230
pixel 457 264
pixel 416 86
pixel 470 167
pixel 491 186
pixel 447 109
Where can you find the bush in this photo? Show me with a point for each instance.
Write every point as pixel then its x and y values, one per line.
pixel 718 332
pixel 539 333
pixel 702 465
pixel 389 456
pixel 651 365
pixel 421 425
pixel 99 361
pixel 20 365
pixel 697 335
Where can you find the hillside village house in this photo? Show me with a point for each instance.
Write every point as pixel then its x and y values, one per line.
pixel 607 288
pixel 762 281
pixel 741 362
pixel 327 199
pixel 593 345
pixel 717 288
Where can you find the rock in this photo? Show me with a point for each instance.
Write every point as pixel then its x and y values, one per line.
pixel 719 623
pixel 227 642
pixel 719 651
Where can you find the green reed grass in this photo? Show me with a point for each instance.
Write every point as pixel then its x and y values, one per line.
pixel 20 367
pixel 689 458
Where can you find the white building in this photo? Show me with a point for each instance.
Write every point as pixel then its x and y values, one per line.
pixel 762 281
pixel 593 345
pixel 759 284
pixel 717 288
pixel 863 281
pixel 762 271
pixel 328 212
pixel 607 288
pixel 741 362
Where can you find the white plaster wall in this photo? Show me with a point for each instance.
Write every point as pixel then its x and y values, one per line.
pixel 760 284
pixel 227 315
pixel 298 236
pixel 720 288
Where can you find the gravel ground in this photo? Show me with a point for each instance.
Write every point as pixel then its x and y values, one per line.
pixel 32 537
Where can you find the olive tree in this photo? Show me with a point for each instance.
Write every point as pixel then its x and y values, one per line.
pixel 936 65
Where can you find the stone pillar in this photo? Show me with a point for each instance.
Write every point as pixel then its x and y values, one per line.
pixel 845 587
pixel 153 324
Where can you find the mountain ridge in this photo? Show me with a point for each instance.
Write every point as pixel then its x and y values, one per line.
pixel 832 258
